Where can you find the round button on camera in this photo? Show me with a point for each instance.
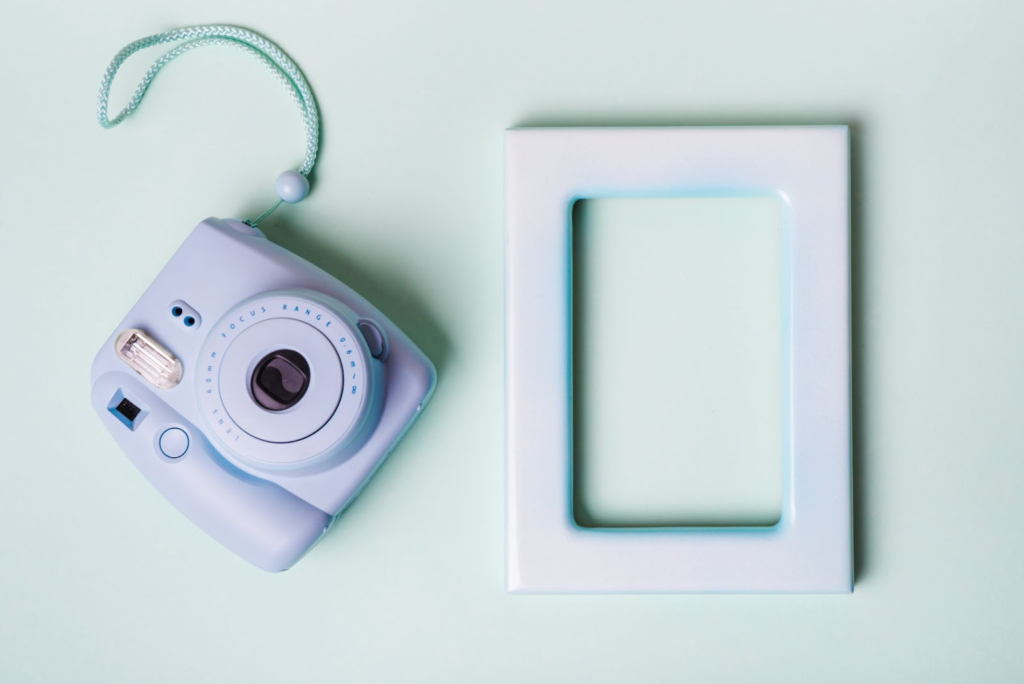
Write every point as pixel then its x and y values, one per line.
pixel 174 443
pixel 375 339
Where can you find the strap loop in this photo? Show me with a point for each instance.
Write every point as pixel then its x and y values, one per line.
pixel 266 52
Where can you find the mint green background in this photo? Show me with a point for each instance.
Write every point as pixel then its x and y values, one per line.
pixel 677 361
pixel 102 581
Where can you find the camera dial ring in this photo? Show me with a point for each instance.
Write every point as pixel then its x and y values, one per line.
pixel 325 422
pixel 253 350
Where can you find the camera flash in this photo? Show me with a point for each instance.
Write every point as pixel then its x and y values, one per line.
pixel 149 359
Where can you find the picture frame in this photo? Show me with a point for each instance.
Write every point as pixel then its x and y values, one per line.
pixel 807 168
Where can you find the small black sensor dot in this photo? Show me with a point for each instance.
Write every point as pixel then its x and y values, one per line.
pixel 189 321
pixel 177 311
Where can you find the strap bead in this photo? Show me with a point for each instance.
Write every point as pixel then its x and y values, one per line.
pixel 292 187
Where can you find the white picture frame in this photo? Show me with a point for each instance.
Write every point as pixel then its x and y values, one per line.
pixel 807 169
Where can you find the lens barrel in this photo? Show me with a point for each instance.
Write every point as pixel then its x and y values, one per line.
pixel 280 380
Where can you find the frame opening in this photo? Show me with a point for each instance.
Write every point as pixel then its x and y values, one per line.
pixel 678 361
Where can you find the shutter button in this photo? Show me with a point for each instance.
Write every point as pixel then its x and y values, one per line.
pixel 174 442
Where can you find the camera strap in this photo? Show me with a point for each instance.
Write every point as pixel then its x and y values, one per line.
pixel 291 186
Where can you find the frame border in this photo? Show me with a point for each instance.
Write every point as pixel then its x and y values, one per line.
pixel 547 171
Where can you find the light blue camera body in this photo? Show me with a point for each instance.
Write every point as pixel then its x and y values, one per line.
pixel 257 392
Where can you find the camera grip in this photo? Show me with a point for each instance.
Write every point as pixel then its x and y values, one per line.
pixel 256 519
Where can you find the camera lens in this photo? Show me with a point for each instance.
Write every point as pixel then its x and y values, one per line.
pixel 280 380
